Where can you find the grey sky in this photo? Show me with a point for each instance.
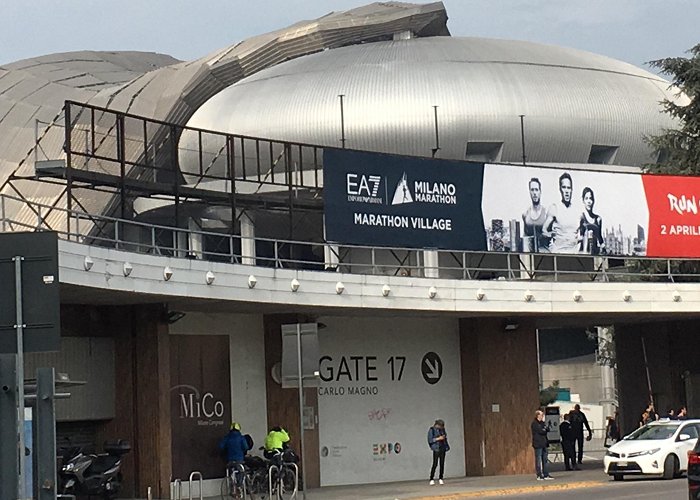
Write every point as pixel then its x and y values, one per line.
pixel 631 30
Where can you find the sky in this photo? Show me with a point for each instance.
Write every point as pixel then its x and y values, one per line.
pixel 635 31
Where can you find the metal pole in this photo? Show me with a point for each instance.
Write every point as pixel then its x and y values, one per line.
pixel 342 121
pixel 437 132
pixel 36 140
pixel 20 375
pixel 522 136
pixel 301 412
pixel 646 367
pixel 69 164
pixel 9 471
pixel 45 421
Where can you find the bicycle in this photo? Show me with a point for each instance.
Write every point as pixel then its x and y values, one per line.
pixel 236 484
pixel 283 476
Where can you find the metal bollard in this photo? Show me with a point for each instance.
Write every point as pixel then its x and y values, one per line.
pixel 269 479
pixel 150 493
pixel 176 490
pixel 192 476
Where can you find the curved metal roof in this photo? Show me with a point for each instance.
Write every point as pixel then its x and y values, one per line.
pixel 571 100
pixel 162 88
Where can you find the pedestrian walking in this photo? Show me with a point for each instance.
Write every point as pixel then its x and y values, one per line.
pixel 578 422
pixel 567 444
pixel 540 444
pixel 437 440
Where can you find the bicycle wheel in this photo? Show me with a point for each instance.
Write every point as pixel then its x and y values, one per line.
pixel 257 486
pixel 226 488
pixel 287 484
pixel 231 489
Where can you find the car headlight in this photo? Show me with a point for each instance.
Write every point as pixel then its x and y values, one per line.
pixel 609 453
pixel 69 467
pixel 642 453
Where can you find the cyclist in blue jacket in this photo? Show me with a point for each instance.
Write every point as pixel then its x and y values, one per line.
pixel 234 445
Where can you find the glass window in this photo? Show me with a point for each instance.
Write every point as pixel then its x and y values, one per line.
pixel 654 432
pixel 691 430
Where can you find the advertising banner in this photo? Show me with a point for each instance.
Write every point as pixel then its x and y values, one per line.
pixel 379 394
pixel 200 407
pixel 388 200
pixel 674 223
pixel 552 210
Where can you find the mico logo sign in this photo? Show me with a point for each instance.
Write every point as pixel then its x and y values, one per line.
pixel 193 404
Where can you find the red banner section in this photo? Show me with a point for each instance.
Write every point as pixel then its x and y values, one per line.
pixel 674 222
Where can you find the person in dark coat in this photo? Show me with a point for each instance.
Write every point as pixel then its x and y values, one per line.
pixel 437 440
pixel 234 445
pixel 578 422
pixel 540 444
pixel 567 444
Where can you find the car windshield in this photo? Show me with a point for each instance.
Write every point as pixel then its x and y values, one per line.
pixel 654 432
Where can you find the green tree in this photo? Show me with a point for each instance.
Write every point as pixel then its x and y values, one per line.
pixel 548 395
pixel 679 148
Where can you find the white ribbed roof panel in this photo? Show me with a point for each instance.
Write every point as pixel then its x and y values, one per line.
pixel 571 100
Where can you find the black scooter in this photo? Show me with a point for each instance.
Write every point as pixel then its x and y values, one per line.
pixel 88 474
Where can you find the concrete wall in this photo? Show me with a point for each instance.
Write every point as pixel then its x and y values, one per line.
pixel 580 374
pixel 384 381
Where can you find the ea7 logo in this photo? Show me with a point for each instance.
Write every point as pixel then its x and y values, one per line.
pixel 363 185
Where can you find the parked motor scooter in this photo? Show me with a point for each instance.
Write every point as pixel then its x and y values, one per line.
pixel 99 474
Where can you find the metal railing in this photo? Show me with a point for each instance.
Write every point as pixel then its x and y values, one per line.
pixel 140 237
pixel 113 142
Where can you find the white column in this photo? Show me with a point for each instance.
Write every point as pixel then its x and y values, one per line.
pixel 607 374
pixel 331 253
pixel 431 264
pixel 247 238
pixel 196 243
pixel 331 257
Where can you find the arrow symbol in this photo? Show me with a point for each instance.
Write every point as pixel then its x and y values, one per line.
pixel 434 370
pixel 431 368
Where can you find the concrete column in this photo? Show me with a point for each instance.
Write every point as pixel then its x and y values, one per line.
pixel 196 243
pixel 331 256
pixel 607 374
pixel 331 253
pixel 247 238
pixel 500 390
pixel 431 264
pixel 142 394
pixel 527 264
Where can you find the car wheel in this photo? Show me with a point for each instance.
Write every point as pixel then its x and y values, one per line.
pixel 671 467
pixel 618 477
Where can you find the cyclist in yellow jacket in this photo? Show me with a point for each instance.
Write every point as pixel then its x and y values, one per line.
pixel 275 441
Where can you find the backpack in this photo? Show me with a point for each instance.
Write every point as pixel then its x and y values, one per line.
pixel 249 440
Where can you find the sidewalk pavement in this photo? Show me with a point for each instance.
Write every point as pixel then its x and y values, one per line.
pixel 590 475
pixel 467 487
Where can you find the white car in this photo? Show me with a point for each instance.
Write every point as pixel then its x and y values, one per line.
pixel 659 448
